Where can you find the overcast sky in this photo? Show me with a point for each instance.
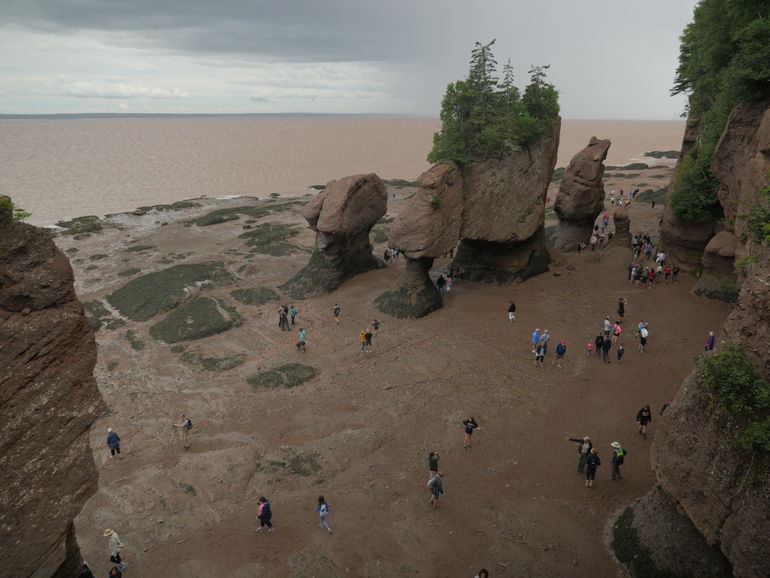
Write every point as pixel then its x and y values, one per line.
pixel 610 59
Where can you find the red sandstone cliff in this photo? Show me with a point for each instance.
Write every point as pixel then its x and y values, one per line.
pixel 48 401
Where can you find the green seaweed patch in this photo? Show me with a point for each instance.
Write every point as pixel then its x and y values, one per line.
pixel 114 324
pixel 91 268
pixel 129 272
pixel 558 174
pixel 234 213
pixel 317 187
pixel 294 461
pixel 72 250
pixel 285 376
pixel 662 154
pixel 254 295
pixel 138 248
pixel 401 183
pixel 197 319
pixel 214 363
pixel 178 206
pixel 98 256
pixel 624 175
pixel 380 234
pixel 95 312
pixel 631 167
pixel 269 239
pixel 81 226
pixel 146 296
pixel 648 196
pixel 135 343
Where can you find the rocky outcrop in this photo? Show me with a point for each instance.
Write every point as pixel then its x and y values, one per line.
pixel 717 281
pixel 721 489
pixel 342 216
pixel 504 210
pixel 581 195
pixel 428 228
pixel 495 208
pixel 48 401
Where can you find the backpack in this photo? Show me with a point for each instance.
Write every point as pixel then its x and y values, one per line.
pixel 189 423
pixel 620 458
pixel 324 508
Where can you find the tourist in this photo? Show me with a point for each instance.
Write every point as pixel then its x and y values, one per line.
pixel 617 329
pixel 113 442
pixel 607 326
pixel 545 337
pixel 620 352
pixel 666 405
pixel 708 347
pixel 293 312
pixel 433 459
pixel 606 346
pixel 667 273
pixel 535 339
pixel 323 511
pixel 512 312
pixel 599 343
pixel 436 487
pixel 675 274
pixel 368 340
pixel 376 326
pixel 589 349
pixel 584 448
pixel 302 339
pixel 539 354
pixel 283 319
pixel 264 515
pixel 448 283
pixel 643 334
pixel 386 256
pixel 483 573
pixel 622 302
pixel 618 457
pixel 643 418
pixel 592 461
pixel 470 425
pixel 85 572
pixel 561 349
pixel 336 312
pixel 185 425
pixel 115 546
pixel 362 338
pixel 115 572
pixel 440 283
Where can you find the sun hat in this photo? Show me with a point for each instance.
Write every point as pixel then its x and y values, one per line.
pixel 615 445
pixel 108 532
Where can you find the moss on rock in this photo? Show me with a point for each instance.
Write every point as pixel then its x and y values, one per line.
pixel 254 295
pixel 148 295
pixel 197 319
pixel 213 363
pixel 269 239
pixel 286 376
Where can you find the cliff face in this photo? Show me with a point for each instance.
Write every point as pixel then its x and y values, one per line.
pixel 48 401
pixel 723 492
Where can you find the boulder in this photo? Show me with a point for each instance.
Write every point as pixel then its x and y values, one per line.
pixel 48 401
pixel 342 216
pixel 413 294
pixel 581 195
pixel 717 281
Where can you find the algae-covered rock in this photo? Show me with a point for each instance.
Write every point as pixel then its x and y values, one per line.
pixel 254 295
pixel 197 319
pixel 270 239
pixel 148 295
pixel 308 562
pixel 288 375
pixel 214 363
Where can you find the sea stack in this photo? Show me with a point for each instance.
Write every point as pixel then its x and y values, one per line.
pixel 342 216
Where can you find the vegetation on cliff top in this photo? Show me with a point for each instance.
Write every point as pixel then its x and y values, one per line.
pixel 483 117
pixel 722 63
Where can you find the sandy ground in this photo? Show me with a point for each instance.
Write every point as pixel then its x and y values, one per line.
pixel 513 503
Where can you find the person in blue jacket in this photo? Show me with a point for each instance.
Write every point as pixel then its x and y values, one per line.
pixel 113 442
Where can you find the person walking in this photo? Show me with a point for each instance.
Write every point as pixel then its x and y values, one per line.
pixel 436 487
pixel 618 458
pixel 470 425
pixel 283 320
pixel 264 515
pixel 561 349
pixel 535 339
pixel 323 511
pixel 606 327
pixel 114 545
pixel 368 340
pixel 185 425
pixel 599 342
pixel 622 301
pixel 620 352
pixel 617 329
pixel 293 312
pixel 606 346
pixel 336 312
pixel 643 334
pixel 433 459
pixel 302 339
pixel 643 418
pixel 584 448
pixel 539 355
pixel 592 461
pixel 113 442
pixel 709 342
pixel 512 312
pixel 362 338
pixel 376 326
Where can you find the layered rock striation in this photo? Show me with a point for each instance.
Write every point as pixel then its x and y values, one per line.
pixel 48 401
pixel 342 216
pixel 581 195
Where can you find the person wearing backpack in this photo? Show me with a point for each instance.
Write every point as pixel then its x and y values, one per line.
pixel 185 425
pixel 618 458
pixel 436 487
pixel 323 511
pixel 643 418
pixel 264 515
